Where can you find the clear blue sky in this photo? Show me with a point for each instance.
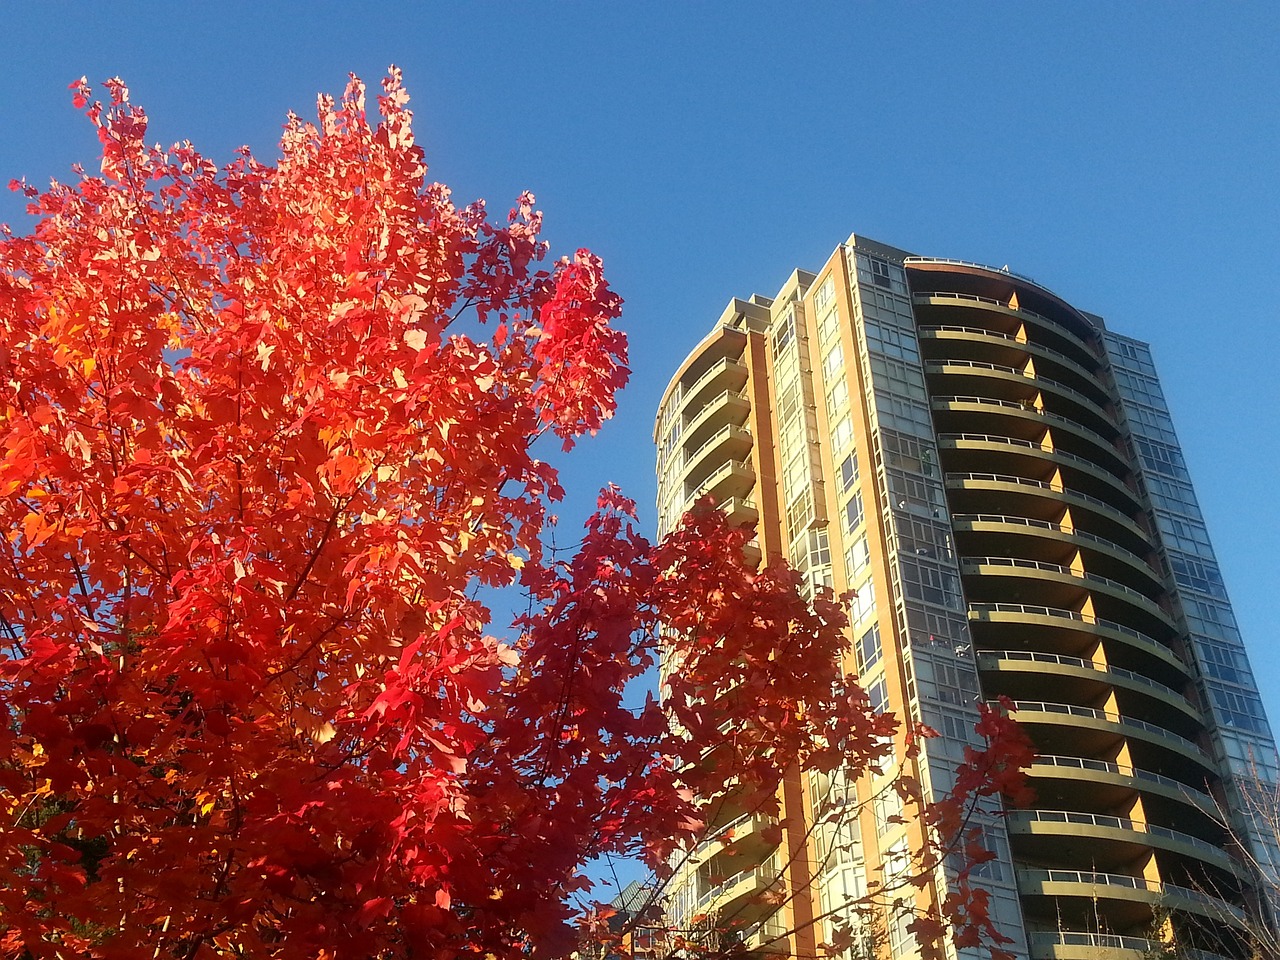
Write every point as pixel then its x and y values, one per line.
pixel 1125 155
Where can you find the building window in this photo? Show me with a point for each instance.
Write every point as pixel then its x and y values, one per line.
pixel 825 293
pixel 856 558
pixel 833 362
pixel 785 334
pixel 863 604
pixel 842 433
pixel 848 472
pixel 853 513
pixel 878 693
pixel 868 650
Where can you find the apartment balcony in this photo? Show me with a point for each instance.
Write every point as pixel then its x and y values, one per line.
pixel 1125 901
pixel 732 479
pixel 1001 534
pixel 986 452
pixel 715 364
pixel 1013 383
pixel 1092 729
pixel 727 407
pixel 1006 349
pixel 730 442
pixel 1022 420
pixel 1112 842
pixel 770 936
pixel 749 835
pixel 726 374
pixel 1083 783
pixel 1009 624
pixel 740 512
pixel 985 492
pixel 1065 672
pixel 741 894
pixel 1058 585
pixel 964 306
pixel 1081 945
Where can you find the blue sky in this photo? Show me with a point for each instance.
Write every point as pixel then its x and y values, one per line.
pixel 1125 155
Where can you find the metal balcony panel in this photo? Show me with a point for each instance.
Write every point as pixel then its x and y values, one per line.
pixel 982 445
pixel 1018 617
pixel 1057 665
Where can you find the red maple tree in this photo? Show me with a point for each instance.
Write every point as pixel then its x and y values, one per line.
pixel 265 434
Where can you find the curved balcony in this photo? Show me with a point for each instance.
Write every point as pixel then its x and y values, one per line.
pixel 1061 585
pixel 1079 945
pixel 747 834
pixel 1061 826
pixel 1007 346
pixel 985 444
pixel 971 302
pixel 1109 722
pixel 724 408
pixel 734 479
pixel 770 936
pixel 730 442
pixel 728 374
pixel 1001 485
pixel 740 512
pixel 1133 890
pixel 741 894
pixel 1016 618
pixel 723 343
pixel 1096 418
pixel 1099 552
pixel 1032 421
pixel 1097 774
pixel 1057 664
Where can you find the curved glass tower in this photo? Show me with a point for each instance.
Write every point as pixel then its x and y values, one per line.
pixel 996 477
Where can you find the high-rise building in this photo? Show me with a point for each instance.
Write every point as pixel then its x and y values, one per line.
pixel 995 476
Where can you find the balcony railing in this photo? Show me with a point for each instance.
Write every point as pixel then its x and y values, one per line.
pixel 1066 661
pixel 1116 823
pixel 1093 713
pixel 1084 462
pixel 713 371
pixel 1059 568
pixel 1108 941
pixel 1040 611
pixel 980 266
pixel 1059 528
pixel 764 875
pixel 1196 797
pixel 721 435
pixel 1057 326
pixel 1114 941
pixel 711 406
pixel 719 834
pixel 1133 883
pixel 1072 426
pixel 728 467
pixel 1034 378
pixel 1101 505
pixel 1057 356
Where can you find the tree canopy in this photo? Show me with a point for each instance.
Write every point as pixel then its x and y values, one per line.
pixel 268 441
